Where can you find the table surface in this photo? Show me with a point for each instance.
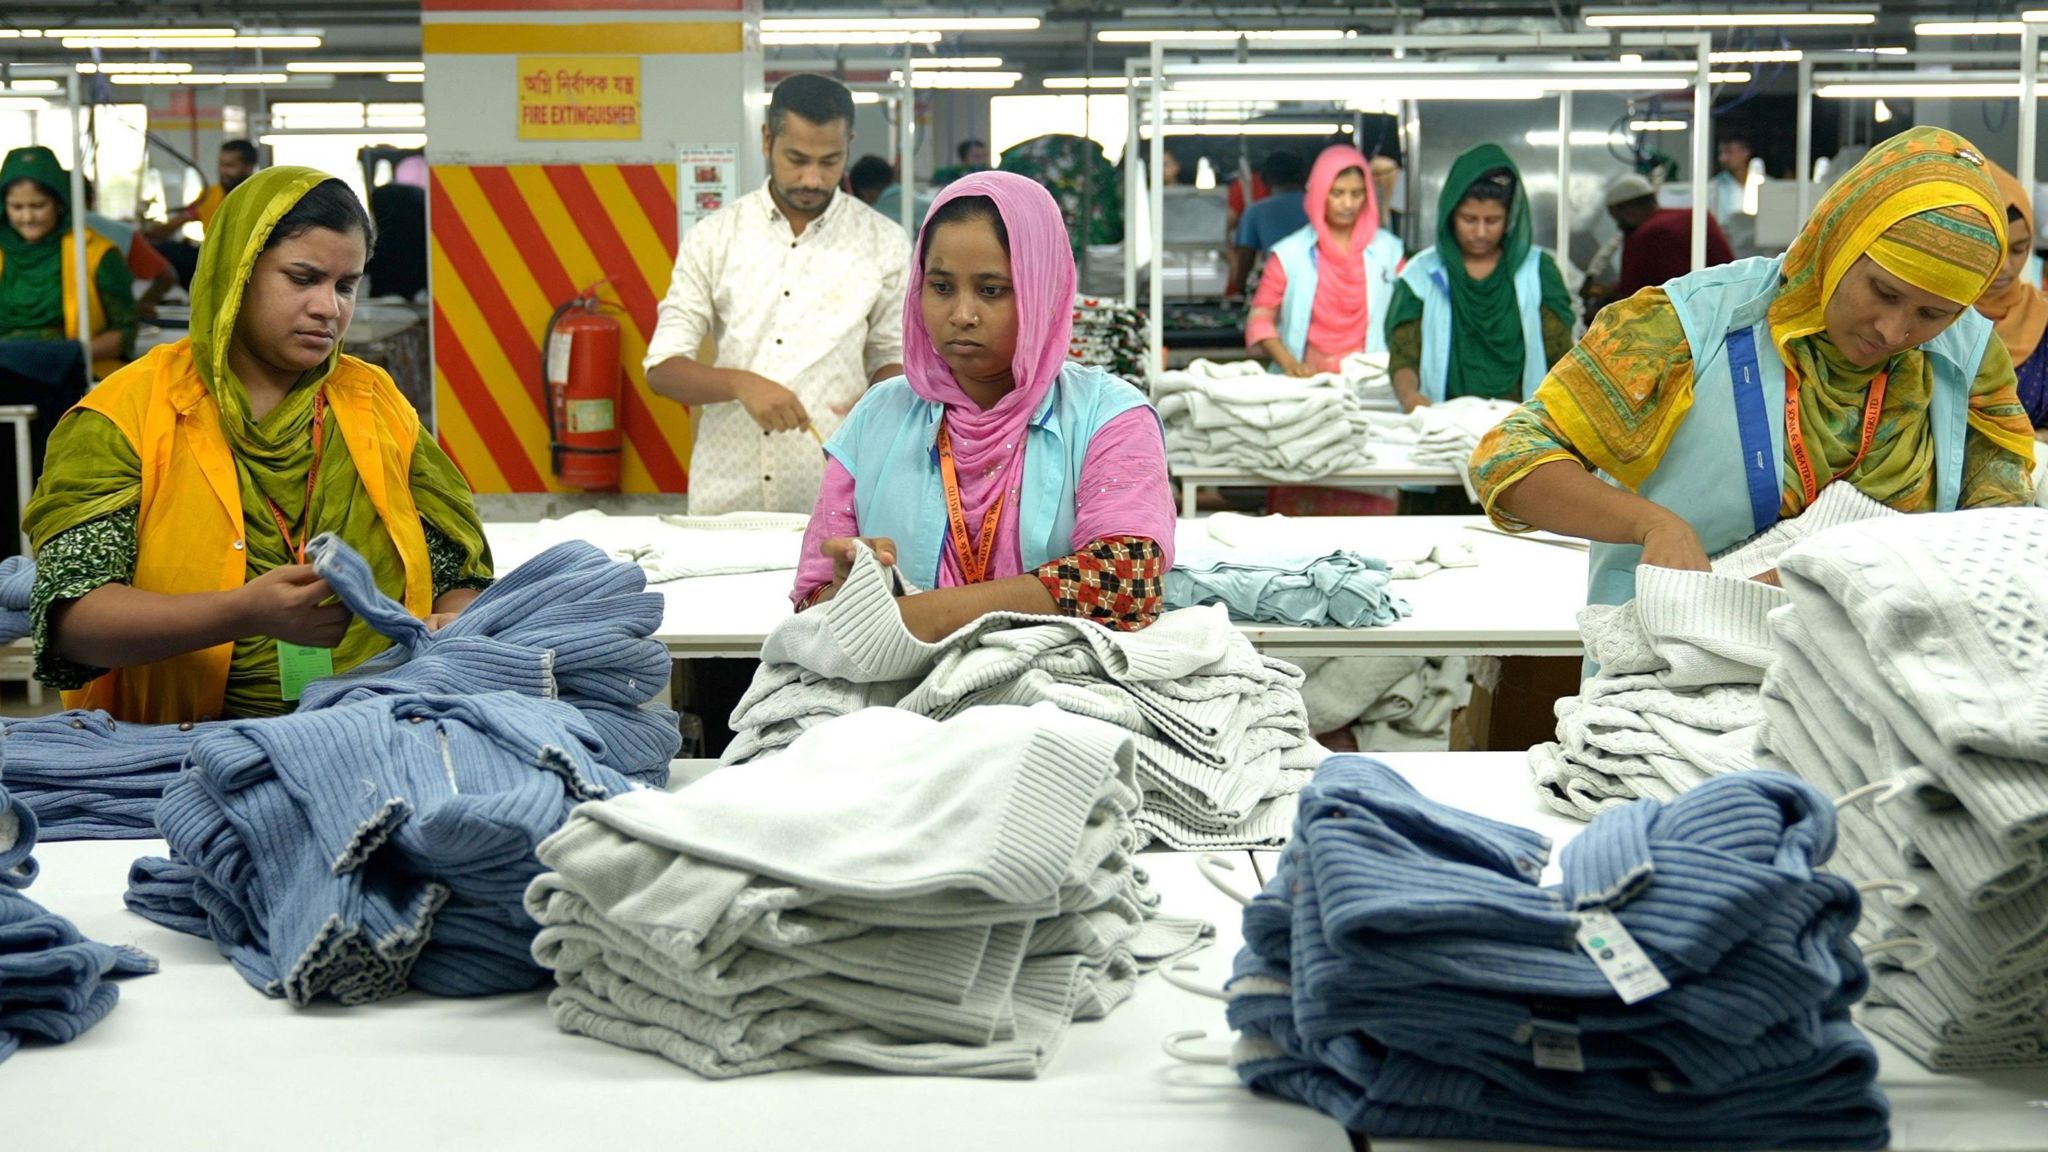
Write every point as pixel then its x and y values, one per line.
pixel 193 1041
pixel 1521 600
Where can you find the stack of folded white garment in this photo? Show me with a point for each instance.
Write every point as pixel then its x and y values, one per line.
pixel 1241 416
pixel 1674 700
pixel 674 547
pixel 1389 703
pixel 1407 555
pixel 892 891
pixel 1913 658
pixel 1221 735
pixel 1370 381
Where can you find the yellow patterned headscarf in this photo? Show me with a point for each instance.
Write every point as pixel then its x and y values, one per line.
pixel 1922 205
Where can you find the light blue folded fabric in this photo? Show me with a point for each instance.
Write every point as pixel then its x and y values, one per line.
pixel 1338 589
pixel 1403 957
pixel 17 580
pixel 89 778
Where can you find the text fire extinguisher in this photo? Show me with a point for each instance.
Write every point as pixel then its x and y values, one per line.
pixel 582 379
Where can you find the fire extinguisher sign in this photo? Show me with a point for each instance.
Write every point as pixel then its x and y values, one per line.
pixel 707 179
pixel 590 416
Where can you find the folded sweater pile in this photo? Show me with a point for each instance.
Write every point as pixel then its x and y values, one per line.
pixel 17 580
pixel 1911 654
pixel 1241 416
pixel 1395 541
pixel 382 837
pixel 1304 590
pixel 1388 703
pixel 1221 738
pixel 1405 973
pixel 1674 700
pixel 671 547
pixel 914 896
pixel 52 980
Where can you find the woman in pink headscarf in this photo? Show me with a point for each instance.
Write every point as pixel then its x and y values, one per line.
pixel 1325 288
pixel 993 471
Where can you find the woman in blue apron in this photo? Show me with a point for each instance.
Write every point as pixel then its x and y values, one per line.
pixel 1327 287
pixel 1724 401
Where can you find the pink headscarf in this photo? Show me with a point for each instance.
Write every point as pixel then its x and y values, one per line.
pixel 1042 276
pixel 1341 303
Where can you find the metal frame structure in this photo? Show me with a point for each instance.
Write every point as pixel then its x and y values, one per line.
pixel 1149 80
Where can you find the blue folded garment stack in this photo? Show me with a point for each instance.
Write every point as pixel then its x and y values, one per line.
pixel 1406 972
pixel 382 837
pixel 52 979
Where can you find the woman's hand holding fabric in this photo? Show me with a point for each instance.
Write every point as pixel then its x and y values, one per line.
pixel 1670 542
pixel 287 604
pixel 840 549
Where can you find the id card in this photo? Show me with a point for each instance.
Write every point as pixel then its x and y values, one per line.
pixel 298 666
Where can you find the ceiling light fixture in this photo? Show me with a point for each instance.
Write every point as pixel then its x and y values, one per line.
pixel 1658 125
pixel 191 43
pixel 1769 56
pixel 222 79
pixel 1215 35
pixel 791 39
pixel 1781 19
pixel 1221 129
pixel 341 66
pixel 151 69
pixel 1112 83
pixel 1729 77
pixel 1939 90
pixel 901 24
pixel 1969 28
pixel 959 79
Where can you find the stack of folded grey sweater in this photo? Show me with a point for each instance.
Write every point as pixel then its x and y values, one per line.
pixel 1389 703
pixel 914 896
pixel 1241 416
pixel 1911 661
pixel 1674 699
pixel 1221 736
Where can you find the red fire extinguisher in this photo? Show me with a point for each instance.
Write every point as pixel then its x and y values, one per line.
pixel 581 373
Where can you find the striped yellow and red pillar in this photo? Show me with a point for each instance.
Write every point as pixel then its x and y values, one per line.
pixel 522 218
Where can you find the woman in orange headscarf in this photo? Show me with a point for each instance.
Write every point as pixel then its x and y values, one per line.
pixel 2017 308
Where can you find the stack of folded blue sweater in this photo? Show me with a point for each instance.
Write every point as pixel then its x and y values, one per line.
pixel 52 980
pixel 1406 973
pixel 382 836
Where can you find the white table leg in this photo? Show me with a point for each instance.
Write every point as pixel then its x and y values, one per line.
pixel 22 478
pixel 1187 498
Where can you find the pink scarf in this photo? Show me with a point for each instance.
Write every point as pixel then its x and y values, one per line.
pixel 1042 276
pixel 1340 305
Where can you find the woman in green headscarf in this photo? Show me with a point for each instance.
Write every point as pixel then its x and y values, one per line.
pixel 1485 312
pixel 38 264
pixel 172 517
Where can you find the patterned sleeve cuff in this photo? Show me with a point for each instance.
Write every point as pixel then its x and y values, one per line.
pixel 1118 581
pixel 449 562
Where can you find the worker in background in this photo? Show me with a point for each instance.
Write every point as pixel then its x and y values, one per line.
pixel 39 264
pixel 1729 186
pixel 1386 182
pixel 1656 243
pixel 1270 220
pixel 236 163
pixel 1729 398
pixel 399 265
pixel 1241 194
pixel 145 264
pixel 971 156
pixel 869 177
pixel 1327 284
pixel 2016 307
pixel 994 471
pixel 800 289
pixel 1485 311
pixel 171 583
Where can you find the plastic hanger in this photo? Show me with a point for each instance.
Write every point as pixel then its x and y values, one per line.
pixel 1175 1045
pixel 1209 865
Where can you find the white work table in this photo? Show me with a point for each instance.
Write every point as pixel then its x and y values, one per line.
pixel 194 1058
pixel 2003 1111
pixel 1393 466
pixel 1522 599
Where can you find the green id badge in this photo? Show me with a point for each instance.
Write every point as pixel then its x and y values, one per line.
pixel 298 666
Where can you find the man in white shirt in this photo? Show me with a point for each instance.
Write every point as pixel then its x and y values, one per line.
pixel 801 291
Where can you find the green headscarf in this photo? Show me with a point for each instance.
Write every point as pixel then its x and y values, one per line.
pixel 1486 358
pixel 92 470
pixel 32 282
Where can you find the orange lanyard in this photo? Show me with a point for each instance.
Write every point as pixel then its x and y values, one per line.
pixel 298 550
pixel 973 560
pixel 1795 441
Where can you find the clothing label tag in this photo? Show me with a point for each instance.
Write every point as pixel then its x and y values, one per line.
pixel 1556 1047
pixel 1620 958
pixel 558 357
pixel 298 666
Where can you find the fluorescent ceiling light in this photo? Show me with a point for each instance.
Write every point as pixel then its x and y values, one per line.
pixel 389 139
pixel 1896 51
pixel 225 79
pixel 103 33
pixel 1117 83
pixel 1631 57
pixel 901 24
pixel 421 78
pixel 1581 138
pixel 1969 28
pixel 1941 90
pixel 2037 16
pixel 31 86
pixel 1769 56
pixel 191 43
pixel 789 39
pixel 1728 20
pixel 151 69
pixel 1729 77
pixel 959 79
pixel 340 66
pixel 23 104
pixel 1148 35
pixel 860 96
pixel 1658 125
pixel 1221 129
pixel 1882 113
pixel 923 62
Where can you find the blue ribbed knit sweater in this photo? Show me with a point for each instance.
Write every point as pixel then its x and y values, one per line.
pixel 1397 966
